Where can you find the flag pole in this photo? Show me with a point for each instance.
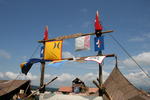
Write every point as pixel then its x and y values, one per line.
pixel 42 89
pixel 100 76
pixel 98 33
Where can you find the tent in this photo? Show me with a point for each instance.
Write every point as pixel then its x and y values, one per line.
pixel 8 88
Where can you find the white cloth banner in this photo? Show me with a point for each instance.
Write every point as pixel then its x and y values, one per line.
pixel 82 43
pixel 98 59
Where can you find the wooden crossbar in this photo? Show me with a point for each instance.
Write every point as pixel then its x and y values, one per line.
pixel 72 36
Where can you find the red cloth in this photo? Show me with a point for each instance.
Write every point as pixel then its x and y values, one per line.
pixel 98 26
pixel 46 33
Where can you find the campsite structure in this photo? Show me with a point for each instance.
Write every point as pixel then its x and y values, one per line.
pixel 116 87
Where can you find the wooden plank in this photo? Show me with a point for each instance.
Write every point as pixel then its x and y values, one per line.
pixel 71 36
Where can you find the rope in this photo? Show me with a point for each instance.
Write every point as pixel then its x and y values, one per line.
pixel 130 56
pixel 35 51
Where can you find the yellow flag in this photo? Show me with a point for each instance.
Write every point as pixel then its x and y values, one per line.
pixel 53 50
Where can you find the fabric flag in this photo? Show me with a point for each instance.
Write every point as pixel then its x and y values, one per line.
pixel 99 43
pixel 98 26
pixel 46 33
pixel 53 50
pixel 98 59
pixel 26 66
pixel 56 63
pixel 82 43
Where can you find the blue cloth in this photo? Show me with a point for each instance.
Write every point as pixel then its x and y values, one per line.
pixel 27 65
pixel 99 43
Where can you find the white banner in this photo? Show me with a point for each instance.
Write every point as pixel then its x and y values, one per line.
pixel 98 59
pixel 82 43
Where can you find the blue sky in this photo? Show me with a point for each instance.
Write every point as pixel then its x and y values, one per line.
pixel 22 24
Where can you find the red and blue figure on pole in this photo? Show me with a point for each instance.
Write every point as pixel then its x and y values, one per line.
pixel 99 43
pixel 98 40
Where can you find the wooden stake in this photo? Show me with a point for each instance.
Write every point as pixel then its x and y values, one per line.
pixel 42 87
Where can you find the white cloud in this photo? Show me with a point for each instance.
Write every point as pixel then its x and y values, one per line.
pixel 67 54
pixel 92 76
pixel 141 38
pixel 32 77
pixel 105 75
pixel 138 78
pixel 142 59
pixel 1 75
pixel 89 76
pixel 4 54
pixel 11 75
pixel 137 39
pixel 65 77
pixel 48 76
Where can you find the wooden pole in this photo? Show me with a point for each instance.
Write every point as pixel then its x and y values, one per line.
pixel 100 76
pixel 42 90
pixel 41 87
pixel 100 88
pixel 96 84
pixel 42 77
pixel 72 36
